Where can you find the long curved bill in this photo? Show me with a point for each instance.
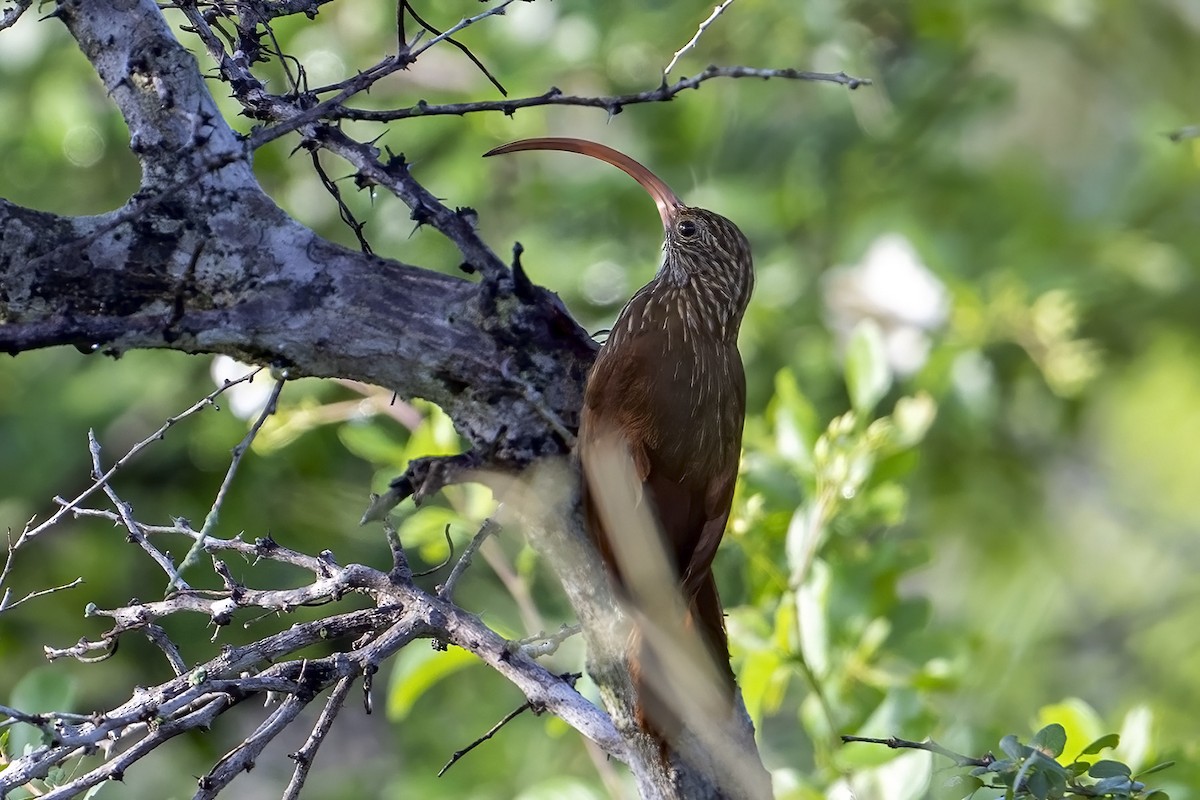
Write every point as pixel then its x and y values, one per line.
pixel 666 200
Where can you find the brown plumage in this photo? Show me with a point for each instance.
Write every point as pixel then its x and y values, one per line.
pixel 668 390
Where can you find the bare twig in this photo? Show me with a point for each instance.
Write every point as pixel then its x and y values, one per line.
pixel 344 211
pixel 305 755
pixel 544 644
pixel 929 746
pixel 489 528
pixel 405 6
pixel 7 603
pixel 401 572
pixel 1182 134
pixel 509 717
pixel 126 513
pixel 612 104
pixel 239 450
pixel 415 52
pixel 718 11
pixel 394 175
pixel 568 677
pixel 449 556
pixel 241 758
pixel 157 635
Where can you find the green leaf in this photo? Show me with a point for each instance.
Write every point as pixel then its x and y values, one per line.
pixel 812 604
pixel 1109 769
pixel 1103 743
pixel 1079 720
pixel 762 678
pixel 1051 740
pixel 1158 794
pixel 42 690
pixel 373 443
pixel 426 526
pixel 868 376
pixel 1013 748
pixel 1156 768
pixel 417 670
pixel 912 418
pixel 796 422
pixel 1038 785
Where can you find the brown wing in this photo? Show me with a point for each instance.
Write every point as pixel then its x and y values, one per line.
pixel 684 438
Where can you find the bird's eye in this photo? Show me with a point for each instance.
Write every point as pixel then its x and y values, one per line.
pixel 686 228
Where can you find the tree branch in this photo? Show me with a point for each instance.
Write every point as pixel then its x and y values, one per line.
pixel 612 104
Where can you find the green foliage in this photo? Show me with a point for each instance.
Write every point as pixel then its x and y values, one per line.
pixel 1035 771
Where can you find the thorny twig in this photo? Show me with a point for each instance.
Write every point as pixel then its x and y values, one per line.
pixel 929 746
pixel 305 755
pixel 718 11
pixel 9 16
pixel 125 511
pixel 489 528
pixel 569 677
pixel 405 6
pixel 612 104
pixel 415 52
pixel 7 603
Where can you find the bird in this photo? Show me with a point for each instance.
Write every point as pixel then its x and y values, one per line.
pixel 667 394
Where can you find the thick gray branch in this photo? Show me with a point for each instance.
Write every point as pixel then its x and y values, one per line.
pixel 201 260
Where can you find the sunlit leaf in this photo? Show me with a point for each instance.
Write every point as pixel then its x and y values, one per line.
pixel 417 670
pixel 1079 720
pixel 1105 742
pixel 868 376
pixel 796 421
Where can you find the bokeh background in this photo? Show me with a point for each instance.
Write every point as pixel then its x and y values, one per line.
pixel 1005 202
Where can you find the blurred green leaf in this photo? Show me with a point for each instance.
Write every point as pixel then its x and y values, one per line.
pixel 1079 720
pixel 796 423
pixel 41 690
pixel 912 418
pixel 868 376
pixel 1156 768
pixel 373 443
pixel 417 670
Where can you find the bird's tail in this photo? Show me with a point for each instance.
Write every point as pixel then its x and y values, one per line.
pixel 681 672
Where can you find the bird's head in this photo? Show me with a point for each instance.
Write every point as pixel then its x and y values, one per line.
pixel 701 249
